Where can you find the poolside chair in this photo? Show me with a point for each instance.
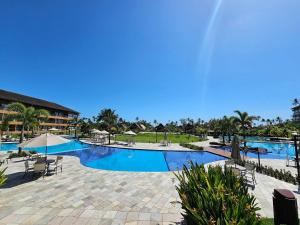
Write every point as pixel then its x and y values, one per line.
pixel 229 162
pixel 40 168
pixel 3 158
pixel 163 143
pixel 41 159
pixel 28 168
pixel 249 172
pixel 290 159
pixel 236 171
pixel 56 165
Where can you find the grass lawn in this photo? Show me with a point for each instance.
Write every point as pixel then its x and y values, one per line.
pixel 150 138
pixel 268 221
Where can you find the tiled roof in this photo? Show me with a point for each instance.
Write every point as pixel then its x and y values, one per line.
pixel 15 97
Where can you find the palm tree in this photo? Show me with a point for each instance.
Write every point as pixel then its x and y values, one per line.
pixel 231 127
pixel 4 126
pixel 74 123
pixel 223 126
pixel 108 118
pixel 29 116
pixel 155 124
pixel 278 120
pixel 295 102
pixel 244 122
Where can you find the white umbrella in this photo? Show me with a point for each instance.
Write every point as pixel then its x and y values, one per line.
pixel 95 131
pixel 104 132
pixel 44 140
pixel 235 152
pixel 129 133
pixel 53 129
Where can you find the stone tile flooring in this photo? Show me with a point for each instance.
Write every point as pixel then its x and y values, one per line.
pixel 81 195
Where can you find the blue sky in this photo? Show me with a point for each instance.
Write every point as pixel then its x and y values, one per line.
pixel 154 59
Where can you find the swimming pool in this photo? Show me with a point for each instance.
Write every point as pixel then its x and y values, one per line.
pixel 118 159
pixel 275 150
pixel 8 146
pixel 70 146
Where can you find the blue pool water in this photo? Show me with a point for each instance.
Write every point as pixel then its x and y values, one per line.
pixel 71 146
pixel 8 146
pixel 275 150
pixel 118 159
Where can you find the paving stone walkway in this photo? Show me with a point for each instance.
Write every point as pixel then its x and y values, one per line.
pixel 81 195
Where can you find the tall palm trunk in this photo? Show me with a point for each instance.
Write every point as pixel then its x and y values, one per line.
pixel 244 136
pixel 22 134
pixel 109 138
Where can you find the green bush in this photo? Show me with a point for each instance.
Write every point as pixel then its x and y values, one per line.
pixel 2 177
pixel 215 197
pixel 191 146
pixel 20 154
pixel 216 143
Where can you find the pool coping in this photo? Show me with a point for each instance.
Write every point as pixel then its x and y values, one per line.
pixel 167 150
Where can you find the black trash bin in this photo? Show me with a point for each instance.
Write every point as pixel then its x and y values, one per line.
pixel 285 207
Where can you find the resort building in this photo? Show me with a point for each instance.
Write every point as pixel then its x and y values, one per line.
pixel 60 116
pixel 296 114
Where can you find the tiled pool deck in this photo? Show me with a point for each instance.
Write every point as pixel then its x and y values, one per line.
pixel 82 195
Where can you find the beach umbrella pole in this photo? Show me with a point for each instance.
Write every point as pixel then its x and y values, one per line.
pixel 258 156
pixel 297 162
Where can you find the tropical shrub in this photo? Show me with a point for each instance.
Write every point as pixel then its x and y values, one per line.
pixel 191 146
pixel 215 197
pixel 2 177
pixel 216 143
pixel 20 154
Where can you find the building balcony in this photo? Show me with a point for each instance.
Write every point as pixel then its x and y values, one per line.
pixel 4 111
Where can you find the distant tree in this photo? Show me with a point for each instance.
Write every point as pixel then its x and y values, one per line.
pixel 184 123
pixel 85 125
pixel 108 118
pixel 4 126
pixel 244 122
pixel 295 102
pixel 29 116
pixel 223 126
pixel 278 120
